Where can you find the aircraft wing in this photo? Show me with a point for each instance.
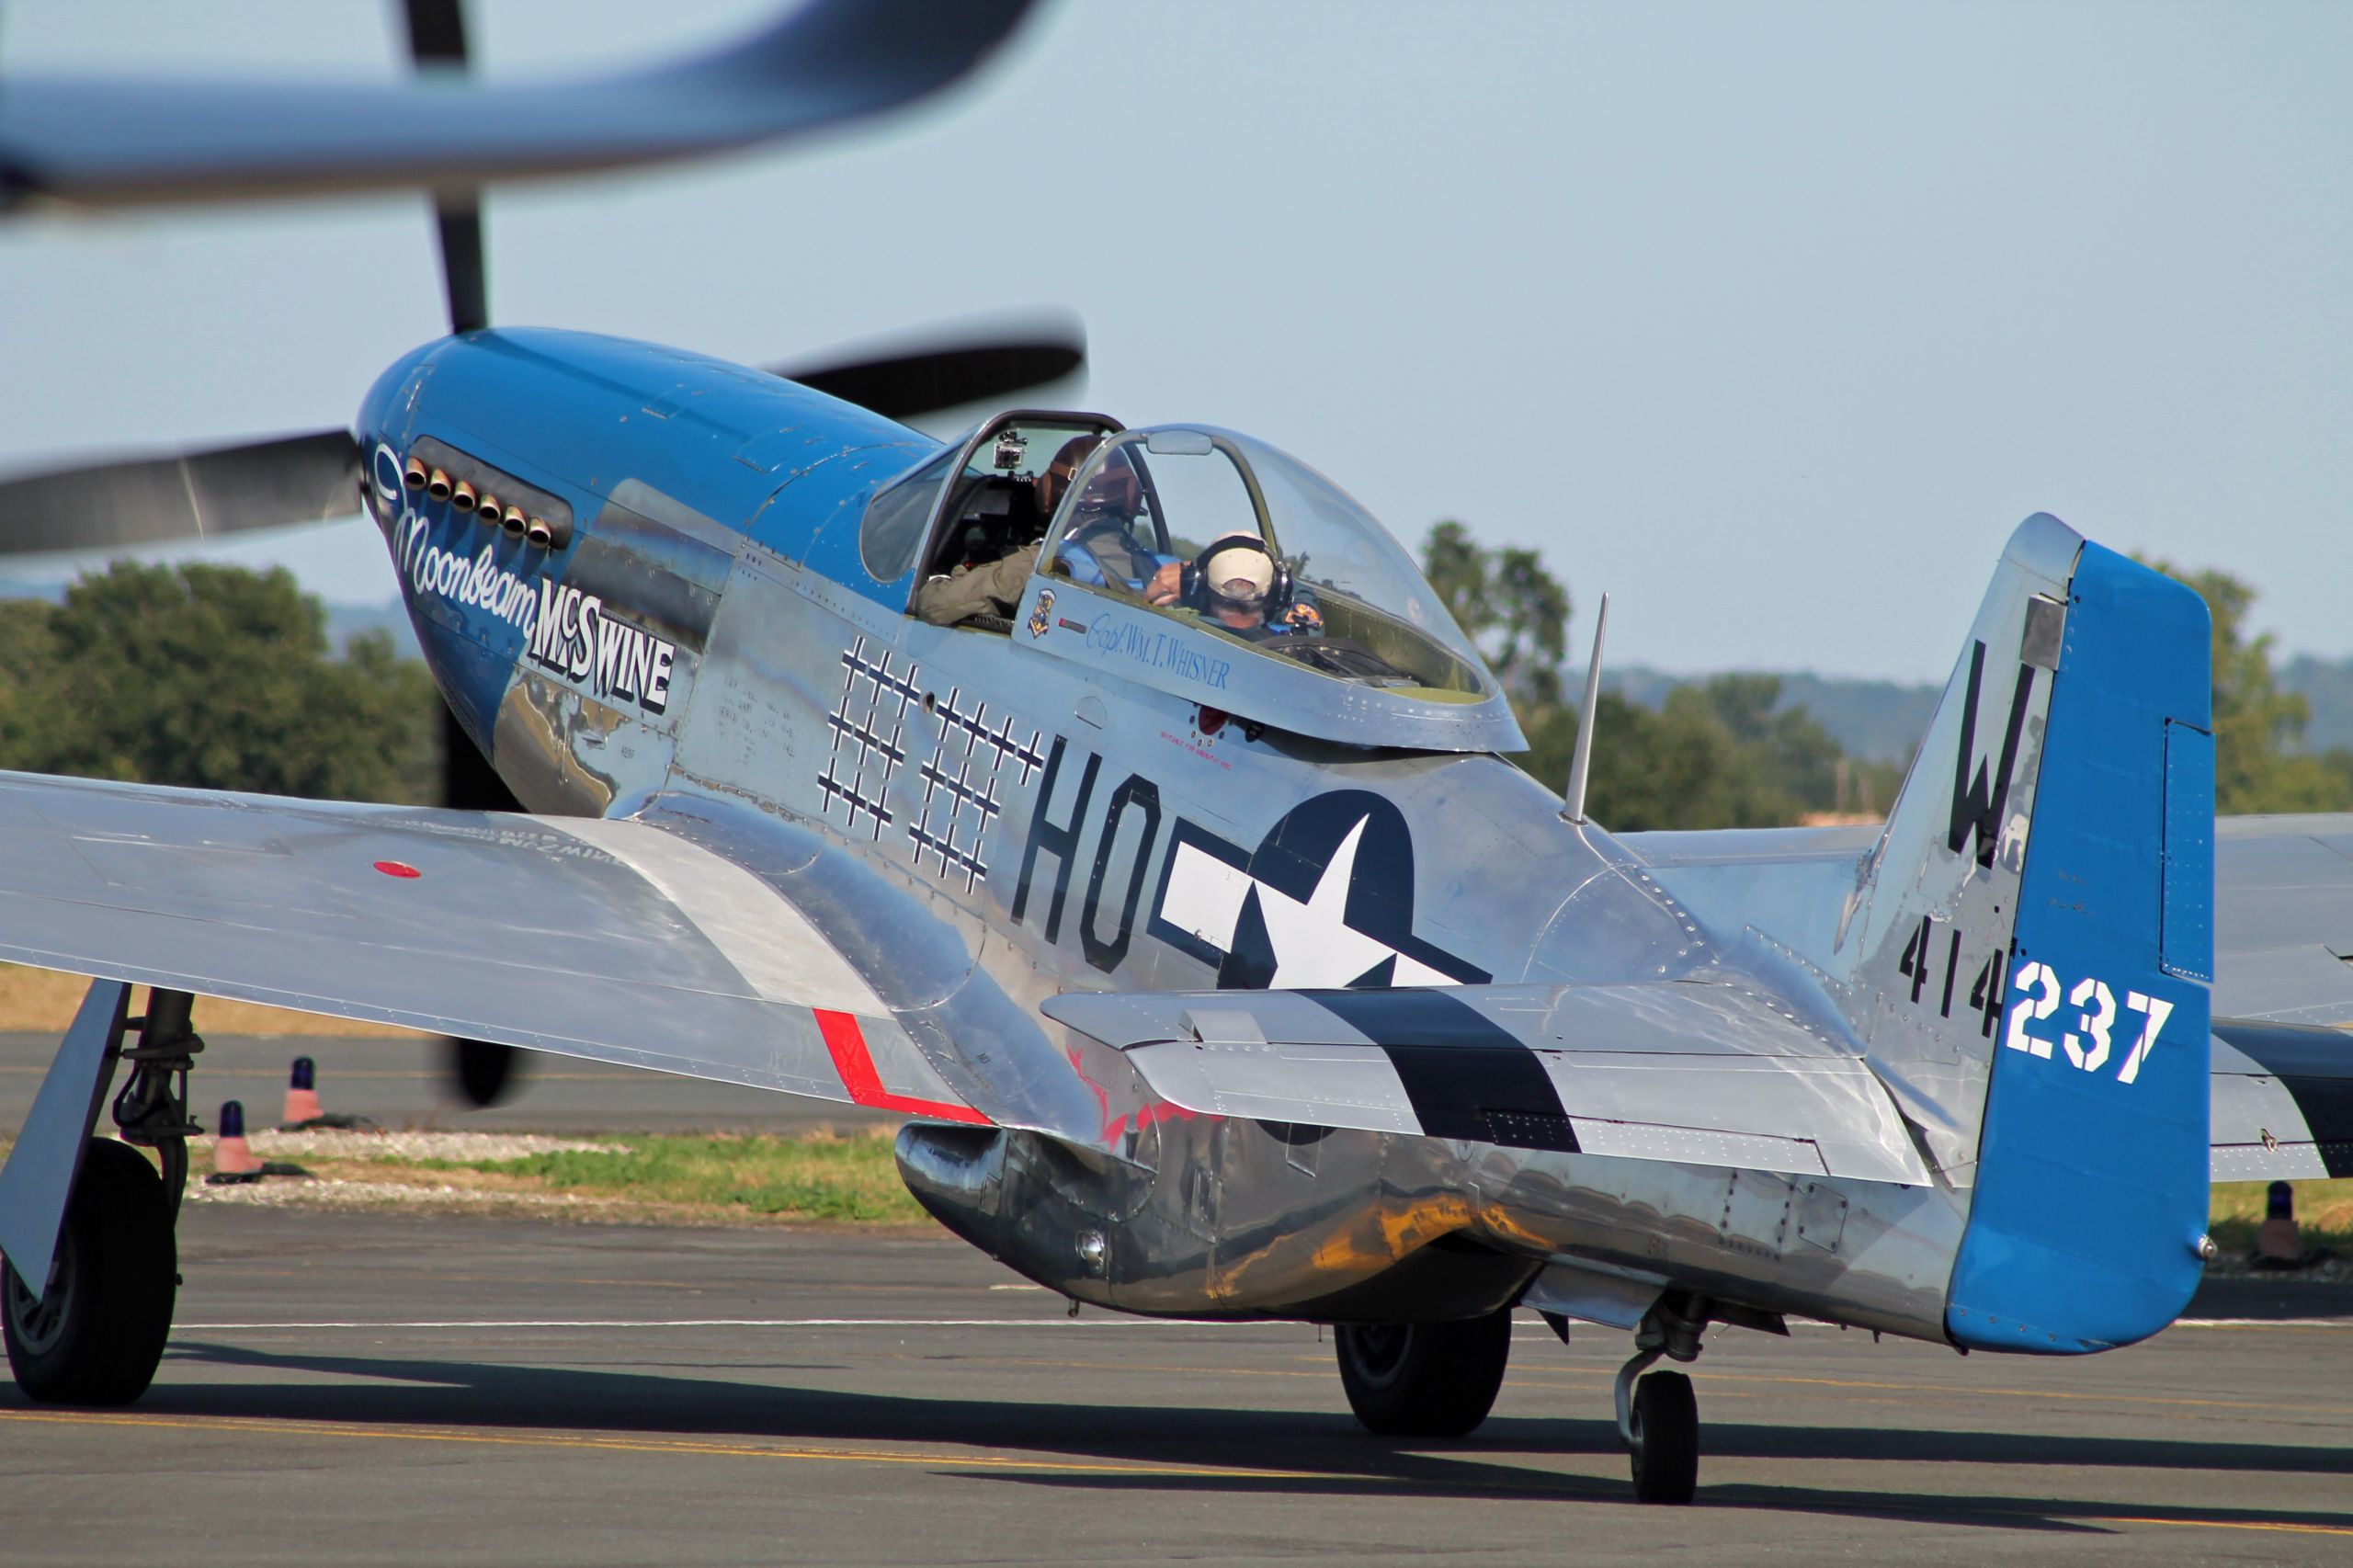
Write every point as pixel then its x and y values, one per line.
pixel 2283 918
pixel 1704 1072
pixel 616 941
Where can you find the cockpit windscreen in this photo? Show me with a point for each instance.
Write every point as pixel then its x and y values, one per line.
pixel 1252 545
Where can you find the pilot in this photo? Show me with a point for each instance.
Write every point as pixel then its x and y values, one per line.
pixel 1238 585
pixel 1054 482
pixel 976 587
pixel 1102 546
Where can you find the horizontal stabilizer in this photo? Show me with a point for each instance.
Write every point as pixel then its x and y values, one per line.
pixel 2283 918
pixel 1690 1072
pixel 2283 1102
pixel 2283 898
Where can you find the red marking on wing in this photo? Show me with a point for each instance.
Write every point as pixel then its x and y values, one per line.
pixel 846 1042
pixel 398 869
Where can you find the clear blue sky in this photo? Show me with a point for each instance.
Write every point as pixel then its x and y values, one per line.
pixel 1770 320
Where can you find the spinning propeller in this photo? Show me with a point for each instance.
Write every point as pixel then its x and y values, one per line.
pixel 114 144
pixel 120 143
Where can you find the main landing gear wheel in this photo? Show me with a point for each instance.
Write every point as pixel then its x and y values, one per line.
pixel 96 1335
pixel 1665 1426
pixel 1423 1379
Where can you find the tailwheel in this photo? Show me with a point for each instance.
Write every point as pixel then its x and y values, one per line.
pixel 1664 1428
pixel 1423 1379
pixel 96 1332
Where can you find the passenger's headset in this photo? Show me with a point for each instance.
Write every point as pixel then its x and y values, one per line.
pixel 1194 590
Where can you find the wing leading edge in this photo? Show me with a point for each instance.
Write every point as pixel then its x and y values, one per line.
pixel 616 941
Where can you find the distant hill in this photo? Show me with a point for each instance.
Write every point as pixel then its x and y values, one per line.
pixel 2327 685
pixel 1877 721
pixel 346 622
pixel 1880 720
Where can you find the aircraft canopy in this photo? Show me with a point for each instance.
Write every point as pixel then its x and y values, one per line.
pixel 1227 545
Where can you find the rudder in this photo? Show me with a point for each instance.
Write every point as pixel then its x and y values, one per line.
pixel 2091 1191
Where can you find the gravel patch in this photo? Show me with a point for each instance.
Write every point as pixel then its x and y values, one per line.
pixel 465 1146
pixel 297 1192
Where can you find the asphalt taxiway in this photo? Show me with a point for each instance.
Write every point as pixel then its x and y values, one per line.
pixel 404 1083
pixel 365 1389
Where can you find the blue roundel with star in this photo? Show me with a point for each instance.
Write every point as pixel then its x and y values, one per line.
pixel 1326 900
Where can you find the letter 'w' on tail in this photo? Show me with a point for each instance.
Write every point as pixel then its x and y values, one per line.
pixel 1976 803
pixel 2035 931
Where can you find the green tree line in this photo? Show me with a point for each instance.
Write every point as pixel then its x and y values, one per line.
pixel 213 677
pixel 223 678
pixel 2259 765
pixel 1723 751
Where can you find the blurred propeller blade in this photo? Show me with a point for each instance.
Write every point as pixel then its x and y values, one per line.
pixel 463 281
pixel 436 33
pixel 437 39
pixel 483 1073
pixel 976 364
pixel 141 501
pixel 105 142
pixel 469 783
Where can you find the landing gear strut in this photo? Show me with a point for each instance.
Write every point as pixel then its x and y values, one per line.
pixel 1658 1417
pixel 1423 1379
pixel 93 1332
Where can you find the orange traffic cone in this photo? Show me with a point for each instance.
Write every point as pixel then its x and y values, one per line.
pixel 232 1158
pixel 303 1112
pixel 301 1094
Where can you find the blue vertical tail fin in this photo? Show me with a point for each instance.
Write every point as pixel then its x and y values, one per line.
pixel 2091 1186
pixel 2031 942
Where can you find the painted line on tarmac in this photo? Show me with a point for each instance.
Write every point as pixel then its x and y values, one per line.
pixel 949 1460
pixel 2263 1323
pixel 1571 1486
pixel 2096 1396
pixel 1057 1322
pixel 2287 1526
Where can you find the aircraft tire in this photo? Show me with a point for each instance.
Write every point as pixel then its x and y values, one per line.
pixel 1665 1419
pixel 98 1336
pixel 1423 1379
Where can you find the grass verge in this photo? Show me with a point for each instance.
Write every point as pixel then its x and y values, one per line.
pixel 847 1179
pixel 822 1177
pixel 2323 1213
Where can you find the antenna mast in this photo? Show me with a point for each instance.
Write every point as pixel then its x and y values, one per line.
pixel 1573 805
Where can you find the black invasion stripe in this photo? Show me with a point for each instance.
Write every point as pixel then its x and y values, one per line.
pixel 1466 1077
pixel 2315 1065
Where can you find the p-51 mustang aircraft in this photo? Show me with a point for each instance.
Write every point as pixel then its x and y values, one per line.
pixel 1221 965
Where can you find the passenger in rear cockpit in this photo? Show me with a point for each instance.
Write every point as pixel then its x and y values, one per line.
pixel 1239 585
